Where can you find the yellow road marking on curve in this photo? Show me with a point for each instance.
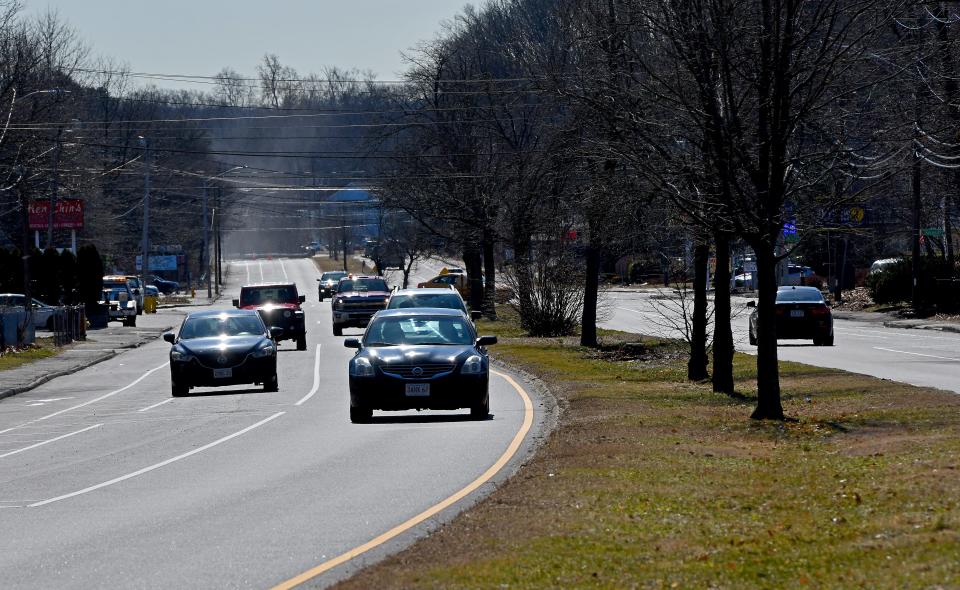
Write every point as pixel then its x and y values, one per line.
pixel 487 475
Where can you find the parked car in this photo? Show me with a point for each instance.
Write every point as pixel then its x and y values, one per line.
pixel 166 287
pixel 801 314
pixel 356 300
pixel 42 313
pixel 132 284
pixel 437 298
pixel 223 347
pixel 416 359
pixel 883 264
pixel 120 303
pixel 279 306
pixel 328 283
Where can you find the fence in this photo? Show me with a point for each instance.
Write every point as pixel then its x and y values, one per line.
pixel 69 324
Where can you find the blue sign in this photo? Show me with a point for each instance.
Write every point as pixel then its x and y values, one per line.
pixel 790 228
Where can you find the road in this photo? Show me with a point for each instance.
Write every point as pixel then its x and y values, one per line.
pixel 918 357
pixel 108 481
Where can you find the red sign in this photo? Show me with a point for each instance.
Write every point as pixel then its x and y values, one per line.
pixel 68 215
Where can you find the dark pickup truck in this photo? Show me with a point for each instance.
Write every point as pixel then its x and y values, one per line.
pixel 356 300
pixel 279 306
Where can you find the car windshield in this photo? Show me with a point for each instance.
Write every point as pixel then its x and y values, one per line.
pixel 361 285
pixel 396 331
pixel 443 300
pixel 264 295
pixel 222 325
pixel 799 296
pixel 332 276
pixel 116 295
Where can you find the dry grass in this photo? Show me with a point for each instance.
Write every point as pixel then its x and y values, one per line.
pixel 325 263
pixel 12 358
pixel 653 482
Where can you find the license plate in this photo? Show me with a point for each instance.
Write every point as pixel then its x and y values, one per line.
pixel 796 313
pixel 418 389
pixel 222 373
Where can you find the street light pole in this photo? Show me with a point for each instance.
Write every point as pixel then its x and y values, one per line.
pixel 145 260
pixel 205 257
pixel 53 193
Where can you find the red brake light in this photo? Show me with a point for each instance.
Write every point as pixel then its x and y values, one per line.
pixel 820 310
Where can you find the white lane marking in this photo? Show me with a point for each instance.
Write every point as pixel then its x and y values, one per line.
pixel 148 408
pixel 155 466
pixel 316 379
pixel 284 269
pixel 260 263
pixel 87 403
pixel 247 266
pixel 943 358
pixel 40 402
pixel 46 442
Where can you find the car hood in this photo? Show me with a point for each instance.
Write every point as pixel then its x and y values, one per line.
pixel 388 355
pixel 216 345
pixel 364 294
pixel 272 306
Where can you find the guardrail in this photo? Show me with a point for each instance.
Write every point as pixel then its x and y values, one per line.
pixel 69 324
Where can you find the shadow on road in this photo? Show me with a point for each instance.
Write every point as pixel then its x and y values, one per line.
pixel 426 419
pixel 219 392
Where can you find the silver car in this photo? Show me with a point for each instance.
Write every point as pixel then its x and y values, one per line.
pixel 42 313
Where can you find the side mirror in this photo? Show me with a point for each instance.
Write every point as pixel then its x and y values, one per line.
pixel 476 315
pixel 318 280
pixel 302 298
pixel 276 332
pixel 351 343
pixel 236 303
pixel 170 337
pixel 751 303
pixel 486 340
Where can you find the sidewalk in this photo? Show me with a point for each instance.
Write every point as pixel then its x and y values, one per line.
pixel 99 346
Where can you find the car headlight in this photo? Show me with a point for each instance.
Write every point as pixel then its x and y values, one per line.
pixel 179 355
pixel 338 304
pixel 131 303
pixel 361 367
pixel 264 350
pixel 472 366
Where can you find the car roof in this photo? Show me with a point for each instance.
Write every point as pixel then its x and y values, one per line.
pixel 427 291
pixel 355 277
pixel 268 285
pixel 419 311
pixel 219 312
pixel 795 288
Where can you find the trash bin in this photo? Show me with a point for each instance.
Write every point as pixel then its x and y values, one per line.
pixel 150 304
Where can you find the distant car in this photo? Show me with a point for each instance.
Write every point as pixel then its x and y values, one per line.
pixel 166 287
pixel 415 359
pixel 120 303
pixel 328 283
pixel 132 284
pixel 883 264
pixel 42 313
pixel 801 314
pixel 356 300
pixel 279 306
pixel 222 347
pixel 152 291
pixel 437 298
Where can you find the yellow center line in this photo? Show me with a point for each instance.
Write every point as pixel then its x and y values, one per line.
pixel 436 508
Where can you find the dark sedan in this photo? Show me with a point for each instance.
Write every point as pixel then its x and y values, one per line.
pixel 801 314
pixel 416 359
pixel 222 347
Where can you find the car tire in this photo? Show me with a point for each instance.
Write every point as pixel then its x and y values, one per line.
pixel 828 341
pixel 481 411
pixel 271 384
pixel 179 389
pixel 752 338
pixel 360 414
pixel 131 321
pixel 337 330
pixel 321 298
pixel 302 342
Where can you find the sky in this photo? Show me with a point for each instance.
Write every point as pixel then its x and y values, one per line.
pixel 203 36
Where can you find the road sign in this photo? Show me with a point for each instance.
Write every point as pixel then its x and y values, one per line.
pixel 159 262
pixel 933 232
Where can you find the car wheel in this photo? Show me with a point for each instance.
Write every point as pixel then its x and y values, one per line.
pixel 179 389
pixel 828 341
pixel 337 330
pixel 321 298
pixel 271 384
pixel 360 414
pixel 131 321
pixel 481 411
pixel 302 342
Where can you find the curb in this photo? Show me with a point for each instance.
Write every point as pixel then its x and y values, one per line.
pixel 916 325
pixel 57 374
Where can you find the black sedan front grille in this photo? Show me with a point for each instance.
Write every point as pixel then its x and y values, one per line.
pixel 421 371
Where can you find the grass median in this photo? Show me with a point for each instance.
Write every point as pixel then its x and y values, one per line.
pixel 324 264
pixel 12 358
pixel 650 481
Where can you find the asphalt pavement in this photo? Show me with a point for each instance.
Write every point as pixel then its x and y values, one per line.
pixel 862 345
pixel 108 481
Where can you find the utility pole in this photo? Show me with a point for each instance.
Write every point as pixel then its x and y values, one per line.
pixel 205 254
pixel 218 216
pixel 25 253
pixel 145 261
pixel 53 192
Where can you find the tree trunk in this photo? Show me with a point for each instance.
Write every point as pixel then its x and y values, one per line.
pixel 490 276
pixel 697 366
pixel 768 371
pixel 588 331
pixel 471 259
pixel 722 331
